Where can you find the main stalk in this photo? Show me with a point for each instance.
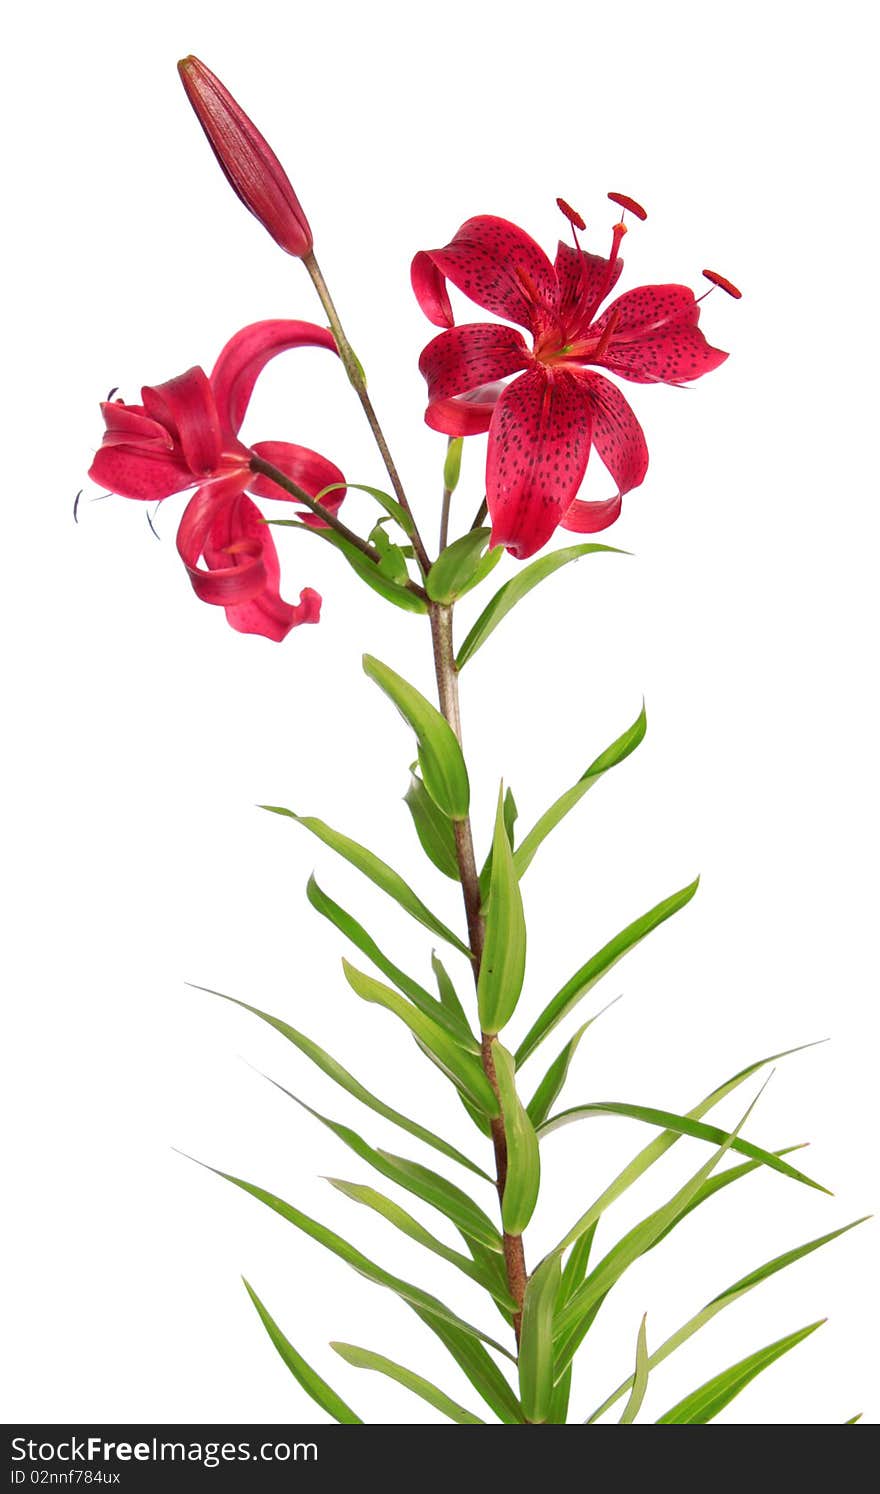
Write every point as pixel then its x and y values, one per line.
pixel 447 689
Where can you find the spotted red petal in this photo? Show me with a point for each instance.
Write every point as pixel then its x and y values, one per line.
pixel 500 268
pixel 584 282
pixel 186 406
pixel 307 468
pixel 617 435
pixel 655 337
pixel 138 457
pixel 464 358
pixel 465 414
pixel 429 285
pixel 222 526
pixel 590 516
pixel 246 355
pixel 539 442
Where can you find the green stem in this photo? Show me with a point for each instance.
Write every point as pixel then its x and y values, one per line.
pixel 281 480
pixel 447 689
pixel 358 382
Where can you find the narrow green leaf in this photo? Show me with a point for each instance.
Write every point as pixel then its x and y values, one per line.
pixel 480 1368
pixel 851 1421
pixel 403 1221
pixel 368 570
pixel 536 1340
pixel 433 827
pixel 519 586
pixel 703 1405
pixel 550 1087
pixel 366 1359
pixel 661 1144
pixel 584 979
pixel 558 1413
pixel 578 1262
pixel 668 1120
pixel 619 749
pixel 639 1379
pixel 440 758
pixel 511 814
pixel 308 1378
pixel 452 464
pixel 720 1181
pixel 392 560
pixel 465 1071
pixel 352 1086
pixel 577 1314
pixel 349 926
pixel 384 500
pixel 376 871
pixel 461 566
pixel 431 1187
pixel 361 1263
pixel 448 995
pixel 724 1299
pixel 503 964
pixel 523 1162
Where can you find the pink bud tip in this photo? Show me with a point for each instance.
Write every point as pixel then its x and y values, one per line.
pixel 628 204
pixel 248 162
pixel 570 213
pixel 723 284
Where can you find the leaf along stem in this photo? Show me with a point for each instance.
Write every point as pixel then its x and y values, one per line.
pixel 281 480
pixel 447 689
pixel 359 384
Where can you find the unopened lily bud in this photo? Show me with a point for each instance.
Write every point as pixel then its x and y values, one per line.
pixel 249 164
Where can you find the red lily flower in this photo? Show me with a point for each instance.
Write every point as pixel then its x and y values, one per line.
pixel 184 435
pixel 542 424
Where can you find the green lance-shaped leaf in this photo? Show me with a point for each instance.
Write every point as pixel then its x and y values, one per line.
pixel 536 1373
pixel 576 1315
pixel 511 814
pixel 455 1025
pixel 392 560
pixel 433 827
pixel 661 1144
pixel 480 1368
pixel 367 1359
pixel 308 1378
pixel 725 1299
pixel 371 1198
pixel 669 1121
pixel 703 1405
pixel 368 570
pixel 584 979
pixel 461 566
pixel 375 871
pixel 440 758
pixel 503 963
pixel 448 994
pixel 523 1162
pixel 639 1379
pixel 465 1071
pixel 549 1089
pixel 391 506
pixel 620 749
pixel 341 1076
pixel 519 586
pixel 431 1187
pixel 432 1307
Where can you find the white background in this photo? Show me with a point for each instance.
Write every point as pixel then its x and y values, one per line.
pixel 142 731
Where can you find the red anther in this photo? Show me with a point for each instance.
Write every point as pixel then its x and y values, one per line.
pixel 570 213
pixel 723 284
pixel 628 204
